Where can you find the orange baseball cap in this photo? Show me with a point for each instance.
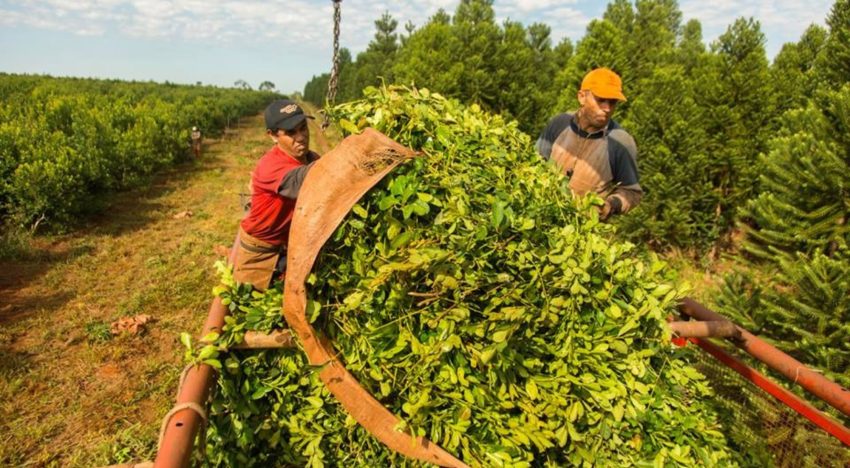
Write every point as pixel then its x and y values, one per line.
pixel 604 83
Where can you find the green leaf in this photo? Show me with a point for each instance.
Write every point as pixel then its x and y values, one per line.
pixel 631 324
pixel 619 346
pixel 348 126
pixel 260 392
pixel 557 259
pixel 210 337
pixel 662 290
pixel 231 364
pixel 487 355
pixel 617 411
pixel 401 240
pixel 313 309
pixel 360 211
pixel 420 208
pixel 531 389
pixel 213 363
pixel 208 351
pixel 186 339
pixel 386 202
pixel 498 214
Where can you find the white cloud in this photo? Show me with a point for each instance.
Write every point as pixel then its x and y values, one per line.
pixel 533 5
pixel 301 22
pixel 788 15
pixel 251 21
pixel 304 28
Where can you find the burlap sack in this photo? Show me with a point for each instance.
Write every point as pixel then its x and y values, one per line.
pixel 330 190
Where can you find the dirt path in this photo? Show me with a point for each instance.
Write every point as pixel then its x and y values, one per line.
pixel 71 394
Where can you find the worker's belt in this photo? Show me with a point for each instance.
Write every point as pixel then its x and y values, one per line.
pixel 260 249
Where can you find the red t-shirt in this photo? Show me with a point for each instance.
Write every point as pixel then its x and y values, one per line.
pixel 271 213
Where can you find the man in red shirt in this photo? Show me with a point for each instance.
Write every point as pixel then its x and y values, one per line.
pixel 275 182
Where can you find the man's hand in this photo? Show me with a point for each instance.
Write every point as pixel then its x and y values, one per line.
pixel 605 211
pixel 612 206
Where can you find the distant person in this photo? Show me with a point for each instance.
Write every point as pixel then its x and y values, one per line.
pixel 275 183
pixel 196 142
pixel 591 149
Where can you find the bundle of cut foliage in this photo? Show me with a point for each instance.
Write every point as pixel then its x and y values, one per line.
pixel 479 302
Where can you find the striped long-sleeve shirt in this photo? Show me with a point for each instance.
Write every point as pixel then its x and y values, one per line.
pixel 604 162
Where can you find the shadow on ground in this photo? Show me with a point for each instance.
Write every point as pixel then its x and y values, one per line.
pixel 126 212
pixel 16 275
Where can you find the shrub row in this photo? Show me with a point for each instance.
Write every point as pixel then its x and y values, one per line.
pixel 66 142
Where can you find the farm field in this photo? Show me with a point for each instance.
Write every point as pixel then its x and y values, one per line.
pixel 470 292
pixel 72 393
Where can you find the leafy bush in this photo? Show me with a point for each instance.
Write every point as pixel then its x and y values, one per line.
pixel 65 142
pixel 475 298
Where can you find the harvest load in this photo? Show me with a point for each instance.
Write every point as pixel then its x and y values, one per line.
pixel 482 304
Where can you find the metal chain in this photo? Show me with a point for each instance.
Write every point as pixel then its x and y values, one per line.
pixel 334 80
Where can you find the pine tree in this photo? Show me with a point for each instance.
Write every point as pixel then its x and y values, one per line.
pixel 677 208
pixel 834 62
pixel 797 235
pixel 657 24
pixel 796 230
pixel 474 27
pixel 793 72
pixel 801 305
pixel 375 63
pixel 520 64
pixel 316 89
pixel 690 49
pixel 805 195
pixel 732 86
pixel 524 64
pixel 503 69
pixel 810 317
pixel 621 14
pixel 427 60
pixel 562 53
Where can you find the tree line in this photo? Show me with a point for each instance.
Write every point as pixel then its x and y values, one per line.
pixel 738 155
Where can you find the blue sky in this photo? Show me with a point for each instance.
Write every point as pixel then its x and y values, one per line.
pixel 287 42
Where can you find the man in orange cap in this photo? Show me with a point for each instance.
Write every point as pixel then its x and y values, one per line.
pixel 591 149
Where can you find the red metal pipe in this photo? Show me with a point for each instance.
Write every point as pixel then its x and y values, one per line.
pixel 792 401
pixel 825 389
pixel 695 329
pixel 178 439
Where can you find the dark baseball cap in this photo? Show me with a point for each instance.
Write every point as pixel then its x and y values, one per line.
pixel 284 114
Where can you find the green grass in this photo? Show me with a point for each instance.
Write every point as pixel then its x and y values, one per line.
pixel 15 243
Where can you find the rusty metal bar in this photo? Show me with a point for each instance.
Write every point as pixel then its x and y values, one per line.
pixel 825 389
pixel 275 339
pixel 720 329
pixel 178 439
pixel 794 402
